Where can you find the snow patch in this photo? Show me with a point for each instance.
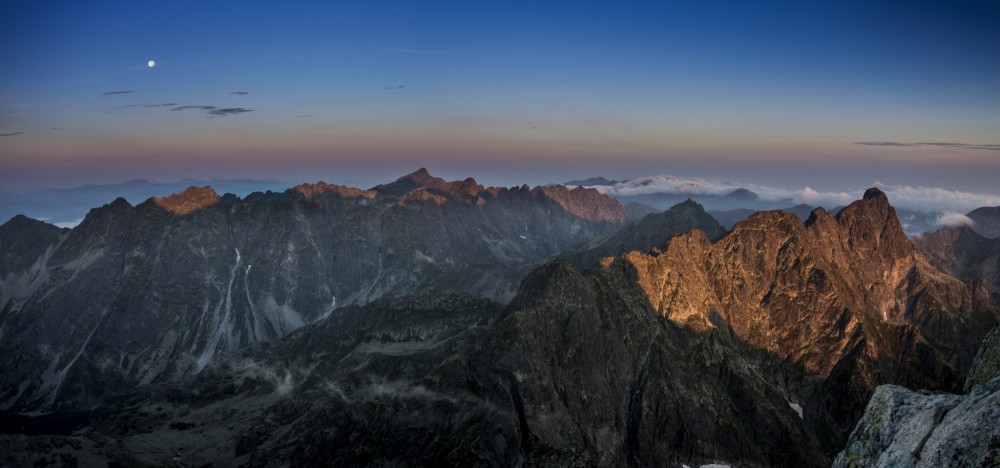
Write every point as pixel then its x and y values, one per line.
pixel 797 407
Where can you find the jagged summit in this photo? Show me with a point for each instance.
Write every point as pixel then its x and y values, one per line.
pixel 320 188
pixel 190 200
pixel 417 179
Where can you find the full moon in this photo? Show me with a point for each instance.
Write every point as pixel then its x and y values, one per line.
pixel 151 64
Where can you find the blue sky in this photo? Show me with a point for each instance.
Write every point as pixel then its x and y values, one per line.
pixel 509 92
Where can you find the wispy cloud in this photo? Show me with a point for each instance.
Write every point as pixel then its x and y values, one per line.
pixel 395 87
pixel 422 51
pixel 240 93
pixel 229 111
pixel 123 91
pixel 303 116
pixel 215 112
pixel 205 108
pixel 933 144
pixel 166 104
pixel 11 134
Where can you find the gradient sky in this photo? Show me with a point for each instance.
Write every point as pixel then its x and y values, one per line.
pixel 509 92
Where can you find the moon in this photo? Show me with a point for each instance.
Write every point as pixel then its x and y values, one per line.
pixel 151 63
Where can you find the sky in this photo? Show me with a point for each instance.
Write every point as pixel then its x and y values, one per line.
pixel 830 95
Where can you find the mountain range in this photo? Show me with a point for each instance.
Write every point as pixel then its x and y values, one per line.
pixel 432 322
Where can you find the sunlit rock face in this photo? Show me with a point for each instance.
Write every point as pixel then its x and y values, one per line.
pixel 136 294
pixel 847 300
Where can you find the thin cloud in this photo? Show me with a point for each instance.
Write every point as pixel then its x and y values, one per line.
pixel 395 87
pixel 303 116
pixel 11 134
pixel 123 91
pixel 95 158
pixel 204 108
pixel 229 111
pixel 240 93
pixel 933 144
pixel 166 104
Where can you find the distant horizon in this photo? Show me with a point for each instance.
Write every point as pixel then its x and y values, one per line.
pixel 818 94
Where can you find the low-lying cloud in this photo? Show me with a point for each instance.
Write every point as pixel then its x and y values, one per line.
pixel 954 220
pixel 937 144
pixel 919 199
pixel 11 134
pixel 240 93
pixel 121 91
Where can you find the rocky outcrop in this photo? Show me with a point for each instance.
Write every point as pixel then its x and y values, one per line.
pixel 190 200
pixel 902 428
pixel 986 366
pixel 137 294
pixel 587 203
pixel 652 231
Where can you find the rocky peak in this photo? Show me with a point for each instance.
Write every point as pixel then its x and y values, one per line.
pixel 586 203
pixel 23 222
pixel 875 192
pixel 407 183
pixel 190 200
pixel 320 188
pixel 872 227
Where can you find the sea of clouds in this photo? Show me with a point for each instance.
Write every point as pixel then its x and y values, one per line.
pixel 947 205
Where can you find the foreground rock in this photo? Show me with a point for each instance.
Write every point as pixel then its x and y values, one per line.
pixel 903 428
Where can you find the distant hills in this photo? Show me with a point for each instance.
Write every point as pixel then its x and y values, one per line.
pixel 67 206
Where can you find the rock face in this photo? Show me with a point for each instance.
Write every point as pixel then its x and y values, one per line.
pixel 638 210
pixel 987 221
pixel 845 300
pixel 902 428
pixel 653 230
pixel 135 294
pixel 578 370
pixel 965 254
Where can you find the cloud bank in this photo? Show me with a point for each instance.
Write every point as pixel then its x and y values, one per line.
pixel 919 199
